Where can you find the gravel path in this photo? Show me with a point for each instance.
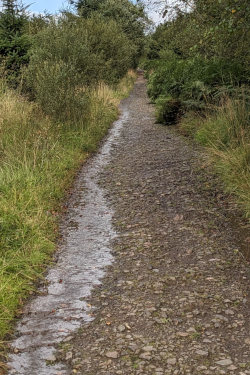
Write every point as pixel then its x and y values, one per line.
pixel 174 301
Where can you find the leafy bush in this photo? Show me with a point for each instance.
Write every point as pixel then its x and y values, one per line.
pixel 69 57
pixel 195 82
pixel 129 16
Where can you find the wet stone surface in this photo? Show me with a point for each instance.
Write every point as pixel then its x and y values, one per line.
pixel 61 306
pixel 175 299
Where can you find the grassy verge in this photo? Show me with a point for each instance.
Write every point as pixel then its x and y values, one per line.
pixel 38 161
pixel 225 133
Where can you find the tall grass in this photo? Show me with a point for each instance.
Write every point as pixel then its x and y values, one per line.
pixel 226 134
pixel 38 160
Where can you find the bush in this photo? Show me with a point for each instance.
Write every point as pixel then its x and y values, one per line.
pixel 196 83
pixel 129 15
pixel 70 57
pixel 194 78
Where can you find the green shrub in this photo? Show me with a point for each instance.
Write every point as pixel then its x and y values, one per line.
pixel 130 16
pixel 70 57
pixel 197 52
pixel 193 79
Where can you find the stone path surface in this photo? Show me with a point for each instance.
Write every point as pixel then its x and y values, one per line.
pixel 175 300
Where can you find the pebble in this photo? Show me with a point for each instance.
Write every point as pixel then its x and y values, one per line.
pixel 121 328
pixel 232 368
pixel 224 362
pixel 148 348
pixel 112 355
pixel 51 358
pixel 202 353
pixel 69 356
pixel 182 334
pixel 145 355
pixel 171 361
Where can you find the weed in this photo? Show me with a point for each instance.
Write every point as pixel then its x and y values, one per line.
pixel 196 335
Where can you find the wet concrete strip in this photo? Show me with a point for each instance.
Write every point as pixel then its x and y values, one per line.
pixel 60 309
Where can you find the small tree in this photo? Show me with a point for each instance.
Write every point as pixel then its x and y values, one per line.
pixel 14 44
pixel 130 17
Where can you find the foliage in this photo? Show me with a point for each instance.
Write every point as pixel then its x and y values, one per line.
pixel 198 51
pixel 87 7
pixel 37 22
pixel 167 110
pixel 208 28
pixel 14 44
pixel 131 18
pixel 69 57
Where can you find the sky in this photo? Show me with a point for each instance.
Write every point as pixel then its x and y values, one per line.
pixel 52 6
pixel 39 6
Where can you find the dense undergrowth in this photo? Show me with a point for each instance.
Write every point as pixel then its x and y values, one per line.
pixel 198 76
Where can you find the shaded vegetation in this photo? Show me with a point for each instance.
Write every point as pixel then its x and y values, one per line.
pixel 201 54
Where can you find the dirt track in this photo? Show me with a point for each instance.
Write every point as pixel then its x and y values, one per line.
pixel 175 299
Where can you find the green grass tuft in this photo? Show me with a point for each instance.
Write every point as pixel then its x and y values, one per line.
pixel 226 134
